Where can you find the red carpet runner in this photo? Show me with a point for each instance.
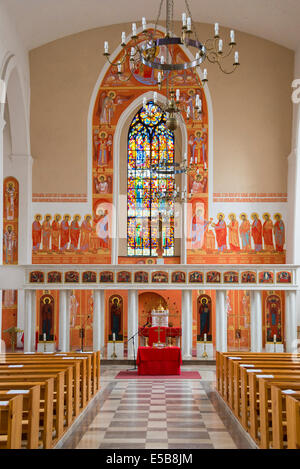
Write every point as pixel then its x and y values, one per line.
pixel 134 375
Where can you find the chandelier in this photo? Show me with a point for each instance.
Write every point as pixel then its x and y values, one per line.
pixel 154 51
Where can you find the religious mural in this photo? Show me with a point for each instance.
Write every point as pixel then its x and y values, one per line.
pixel 47 319
pixel 204 318
pixel 9 315
pixel 66 239
pixel 248 241
pixel 10 220
pixel 273 318
pixel 238 320
pixel 115 318
pixel 81 319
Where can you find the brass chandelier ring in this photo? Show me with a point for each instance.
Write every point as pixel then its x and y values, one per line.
pixel 168 41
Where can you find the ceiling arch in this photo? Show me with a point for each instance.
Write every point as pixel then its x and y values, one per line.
pixel 41 21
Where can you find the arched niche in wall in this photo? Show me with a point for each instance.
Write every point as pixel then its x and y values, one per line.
pixel 113 104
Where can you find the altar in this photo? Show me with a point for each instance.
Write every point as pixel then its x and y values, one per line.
pixel 159 361
pixel 158 331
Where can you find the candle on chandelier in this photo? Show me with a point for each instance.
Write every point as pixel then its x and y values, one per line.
pixel 232 36
pixel 177 95
pixel 216 29
pixel 144 24
pixel 205 74
pixel 198 56
pixel 119 68
pixel 132 51
pixel 159 77
pixel 220 45
pixel 105 47
pixel 123 40
pixel 162 60
pixel 236 57
pixel 189 24
pixel 183 20
pixel 134 29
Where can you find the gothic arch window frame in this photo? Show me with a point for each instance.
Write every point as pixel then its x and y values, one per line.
pixel 149 142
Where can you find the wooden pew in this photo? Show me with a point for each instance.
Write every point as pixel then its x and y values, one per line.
pixel 58 378
pixel 11 423
pixel 75 378
pixel 293 422
pixel 253 385
pixel 31 412
pixel 46 404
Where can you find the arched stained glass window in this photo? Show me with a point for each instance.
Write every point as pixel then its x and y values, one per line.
pixel 149 143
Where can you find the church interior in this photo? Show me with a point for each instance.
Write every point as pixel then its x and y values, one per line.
pixel 150 192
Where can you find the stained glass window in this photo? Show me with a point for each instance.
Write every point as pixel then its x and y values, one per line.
pixel 149 143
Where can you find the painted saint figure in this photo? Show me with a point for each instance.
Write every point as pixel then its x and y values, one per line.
pixel 10 244
pixel 256 232
pixel 46 233
pixel 101 185
pixel 55 233
pixel 204 312
pixel 268 232
pixel 47 318
pixel 101 149
pixel 221 232
pixel 233 233
pixel 245 230
pixel 199 184
pixel 10 196
pixel 86 231
pixel 273 318
pixel 102 230
pixel 199 227
pixel 198 148
pixel 279 232
pixel 65 233
pixel 75 232
pixel 115 312
pixel 36 233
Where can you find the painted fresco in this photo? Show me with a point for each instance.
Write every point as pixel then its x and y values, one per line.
pixel 10 220
pixel 204 318
pixel 81 316
pixel 178 277
pixel 273 317
pixel 46 318
pixel 36 277
pixel 236 238
pixel 115 318
pixel 196 277
pixel 9 314
pixel 238 316
pixel 141 277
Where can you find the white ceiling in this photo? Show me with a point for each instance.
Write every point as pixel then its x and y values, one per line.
pixel 42 21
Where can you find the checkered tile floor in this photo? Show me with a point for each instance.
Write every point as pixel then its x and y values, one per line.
pixel 154 414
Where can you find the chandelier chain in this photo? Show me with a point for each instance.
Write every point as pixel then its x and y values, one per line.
pixel 158 16
pixel 190 15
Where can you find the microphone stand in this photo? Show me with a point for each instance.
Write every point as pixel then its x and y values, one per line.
pixel 132 338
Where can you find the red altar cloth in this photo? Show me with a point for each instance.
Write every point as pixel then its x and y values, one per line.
pixel 152 333
pixel 155 361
